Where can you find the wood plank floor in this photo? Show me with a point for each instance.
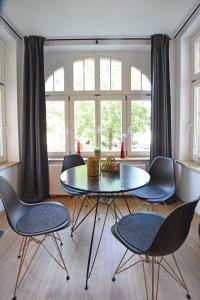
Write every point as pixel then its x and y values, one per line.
pixel 45 281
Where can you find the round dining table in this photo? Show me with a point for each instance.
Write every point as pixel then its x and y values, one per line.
pixel 112 184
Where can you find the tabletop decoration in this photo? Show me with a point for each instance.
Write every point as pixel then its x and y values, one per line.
pixel 122 152
pixel 110 165
pixel 93 166
pixel 78 147
pixel 97 152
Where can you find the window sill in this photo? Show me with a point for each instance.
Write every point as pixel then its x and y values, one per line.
pixel 8 164
pixel 118 159
pixel 192 165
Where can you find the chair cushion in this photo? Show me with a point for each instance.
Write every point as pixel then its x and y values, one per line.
pixel 42 218
pixel 149 191
pixel 139 230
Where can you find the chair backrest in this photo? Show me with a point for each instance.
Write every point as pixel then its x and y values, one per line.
pixel 71 161
pixel 174 230
pixel 13 207
pixel 162 173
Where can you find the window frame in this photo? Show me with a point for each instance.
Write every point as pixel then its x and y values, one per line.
pixel 114 97
pixel 3 157
pixel 134 97
pixel 83 60
pixel 125 95
pixel 74 98
pixel 111 59
pixel 51 72
pixel 55 98
pixel 139 92
pixel 195 82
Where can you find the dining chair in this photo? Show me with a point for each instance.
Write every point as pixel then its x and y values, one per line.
pixel 71 161
pixel 35 223
pixel 153 237
pixel 162 185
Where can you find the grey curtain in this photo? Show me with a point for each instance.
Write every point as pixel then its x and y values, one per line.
pixel 35 178
pixel 160 96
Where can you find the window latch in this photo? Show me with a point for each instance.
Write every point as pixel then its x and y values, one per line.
pixel 2 84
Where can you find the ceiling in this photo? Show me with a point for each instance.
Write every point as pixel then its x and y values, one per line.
pixel 107 18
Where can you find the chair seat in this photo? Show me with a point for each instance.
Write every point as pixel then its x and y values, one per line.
pixel 43 218
pixel 149 192
pixel 137 231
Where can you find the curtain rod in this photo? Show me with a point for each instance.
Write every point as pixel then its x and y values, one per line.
pixel 188 19
pixel 99 39
pixel 13 30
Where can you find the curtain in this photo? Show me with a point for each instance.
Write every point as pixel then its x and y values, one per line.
pixel 160 97
pixel 35 177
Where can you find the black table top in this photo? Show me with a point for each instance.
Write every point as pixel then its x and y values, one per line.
pixel 129 178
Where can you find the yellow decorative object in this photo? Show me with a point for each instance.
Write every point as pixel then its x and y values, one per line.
pixel 110 165
pixel 93 166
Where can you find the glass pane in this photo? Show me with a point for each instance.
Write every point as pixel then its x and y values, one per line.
pixel 111 125
pixel 59 80
pixel 140 125
pixel 146 85
pixel 49 84
pixel 84 124
pixel 78 75
pixel 105 74
pixel 55 126
pixel 116 77
pixel 197 57
pixel 1 125
pixel 196 142
pixel 89 74
pixel 135 79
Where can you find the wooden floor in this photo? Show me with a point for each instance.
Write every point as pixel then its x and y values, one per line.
pixel 47 281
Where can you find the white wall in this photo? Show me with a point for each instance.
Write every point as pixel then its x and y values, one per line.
pixel 188 184
pixel 188 180
pixel 13 99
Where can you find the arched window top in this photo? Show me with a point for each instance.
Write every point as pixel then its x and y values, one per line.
pixel 55 82
pixel 84 74
pixel 139 81
pixel 110 74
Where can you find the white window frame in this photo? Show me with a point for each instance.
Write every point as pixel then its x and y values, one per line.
pixel 136 97
pixel 195 82
pixel 3 108
pixel 110 90
pixel 74 98
pixel 138 92
pixel 114 97
pixel 54 98
pixel 51 72
pixel 83 60
pixel 125 95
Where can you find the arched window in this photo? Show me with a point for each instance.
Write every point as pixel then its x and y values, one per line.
pixel 55 82
pixel 84 75
pixel 110 74
pixel 96 109
pixel 139 81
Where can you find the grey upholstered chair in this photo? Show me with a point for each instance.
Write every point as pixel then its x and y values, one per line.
pixel 35 223
pixel 162 185
pixel 152 237
pixel 71 161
